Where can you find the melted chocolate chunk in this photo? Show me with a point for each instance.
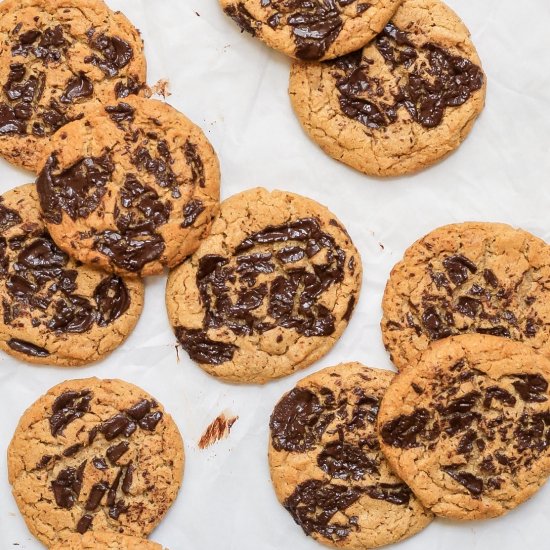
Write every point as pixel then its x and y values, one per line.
pixel 191 212
pixel 97 492
pixel 405 431
pixel 68 407
pixel 8 218
pixel 314 503
pixel 140 409
pixel 27 348
pixel 532 388
pixel 202 349
pixel 117 451
pixel 47 45
pixel 123 112
pixel 394 493
pixel 149 421
pixel 84 523
pixel 99 464
pixel 112 299
pixel 473 484
pixel 344 461
pixel 242 17
pixel 128 479
pixel 77 191
pixel 430 81
pixel 78 87
pixel 132 86
pixel 115 53
pixel 194 161
pixel 117 425
pixel 67 485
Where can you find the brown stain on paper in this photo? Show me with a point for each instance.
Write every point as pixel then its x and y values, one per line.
pixel 218 429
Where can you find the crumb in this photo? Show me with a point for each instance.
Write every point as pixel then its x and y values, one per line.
pixel 218 429
pixel 161 88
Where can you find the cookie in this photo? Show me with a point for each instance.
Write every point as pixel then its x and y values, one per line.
pixel 98 456
pixel 408 99
pixel 106 541
pixel 327 467
pixel 269 292
pixel 312 30
pixel 56 311
pixel 131 188
pixel 485 278
pixel 57 59
pixel 468 428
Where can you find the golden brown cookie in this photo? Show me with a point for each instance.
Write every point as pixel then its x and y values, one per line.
pixel 132 187
pixel 468 429
pixel 408 99
pixel 312 29
pixel 56 311
pixel 269 292
pixel 104 541
pixel 327 467
pixel 57 59
pixel 98 456
pixel 486 278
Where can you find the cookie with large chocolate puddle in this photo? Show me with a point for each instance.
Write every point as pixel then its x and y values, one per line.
pixel 132 187
pixel 312 29
pixel 55 310
pixel 57 59
pixel 406 100
pixel 97 456
pixel 92 540
pixel 485 278
pixel 468 429
pixel 327 467
pixel 270 290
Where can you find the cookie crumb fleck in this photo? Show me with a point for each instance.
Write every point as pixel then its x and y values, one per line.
pixel 217 430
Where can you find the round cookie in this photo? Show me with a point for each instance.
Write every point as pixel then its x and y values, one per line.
pixel 468 428
pixel 132 187
pixel 408 99
pixel 327 467
pixel 312 30
pixel 269 292
pixel 56 311
pixel 486 278
pixel 106 541
pixel 56 60
pixel 97 456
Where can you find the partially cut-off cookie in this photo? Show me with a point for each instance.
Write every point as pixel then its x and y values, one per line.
pixel 327 467
pixel 474 277
pixel 269 292
pixel 405 101
pixel 104 541
pixel 132 187
pixel 59 58
pixel 95 456
pixel 54 310
pixel 312 29
pixel 468 429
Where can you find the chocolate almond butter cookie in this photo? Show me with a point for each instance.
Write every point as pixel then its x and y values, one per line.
pixel 468 429
pixel 269 292
pixel 132 187
pixel 485 278
pixel 98 456
pixel 327 467
pixel 104 541
pixel 56 311
pixel 312 29
pixel 58 58
pixel 406 100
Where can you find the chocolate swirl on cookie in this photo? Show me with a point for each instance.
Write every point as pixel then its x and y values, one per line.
pixel 428 80
pixel 276 277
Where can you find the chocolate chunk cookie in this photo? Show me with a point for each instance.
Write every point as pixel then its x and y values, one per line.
pixel 468 428
pixel 132 187
pixel 56 311
pixel 97 456
pixel 269 292
pixel 327 467
pixel 408 99
pixel 485 278
pixel 104 541
pixel 312 29
pixel 57 58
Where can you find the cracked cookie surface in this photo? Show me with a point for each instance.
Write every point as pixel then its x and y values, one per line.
pixel 98 456
pixel 56 311
pixel 57 59
pixel 132 187
pixel 468 428
pixel 104 541
pixel 270 290
pixel 408 99
pixel 485 278
pixel 327 467
pixel 312 29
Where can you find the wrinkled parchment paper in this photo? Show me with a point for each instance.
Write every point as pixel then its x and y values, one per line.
pixel 236 90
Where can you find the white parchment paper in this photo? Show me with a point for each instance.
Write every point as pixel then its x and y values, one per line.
pixel 236 90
